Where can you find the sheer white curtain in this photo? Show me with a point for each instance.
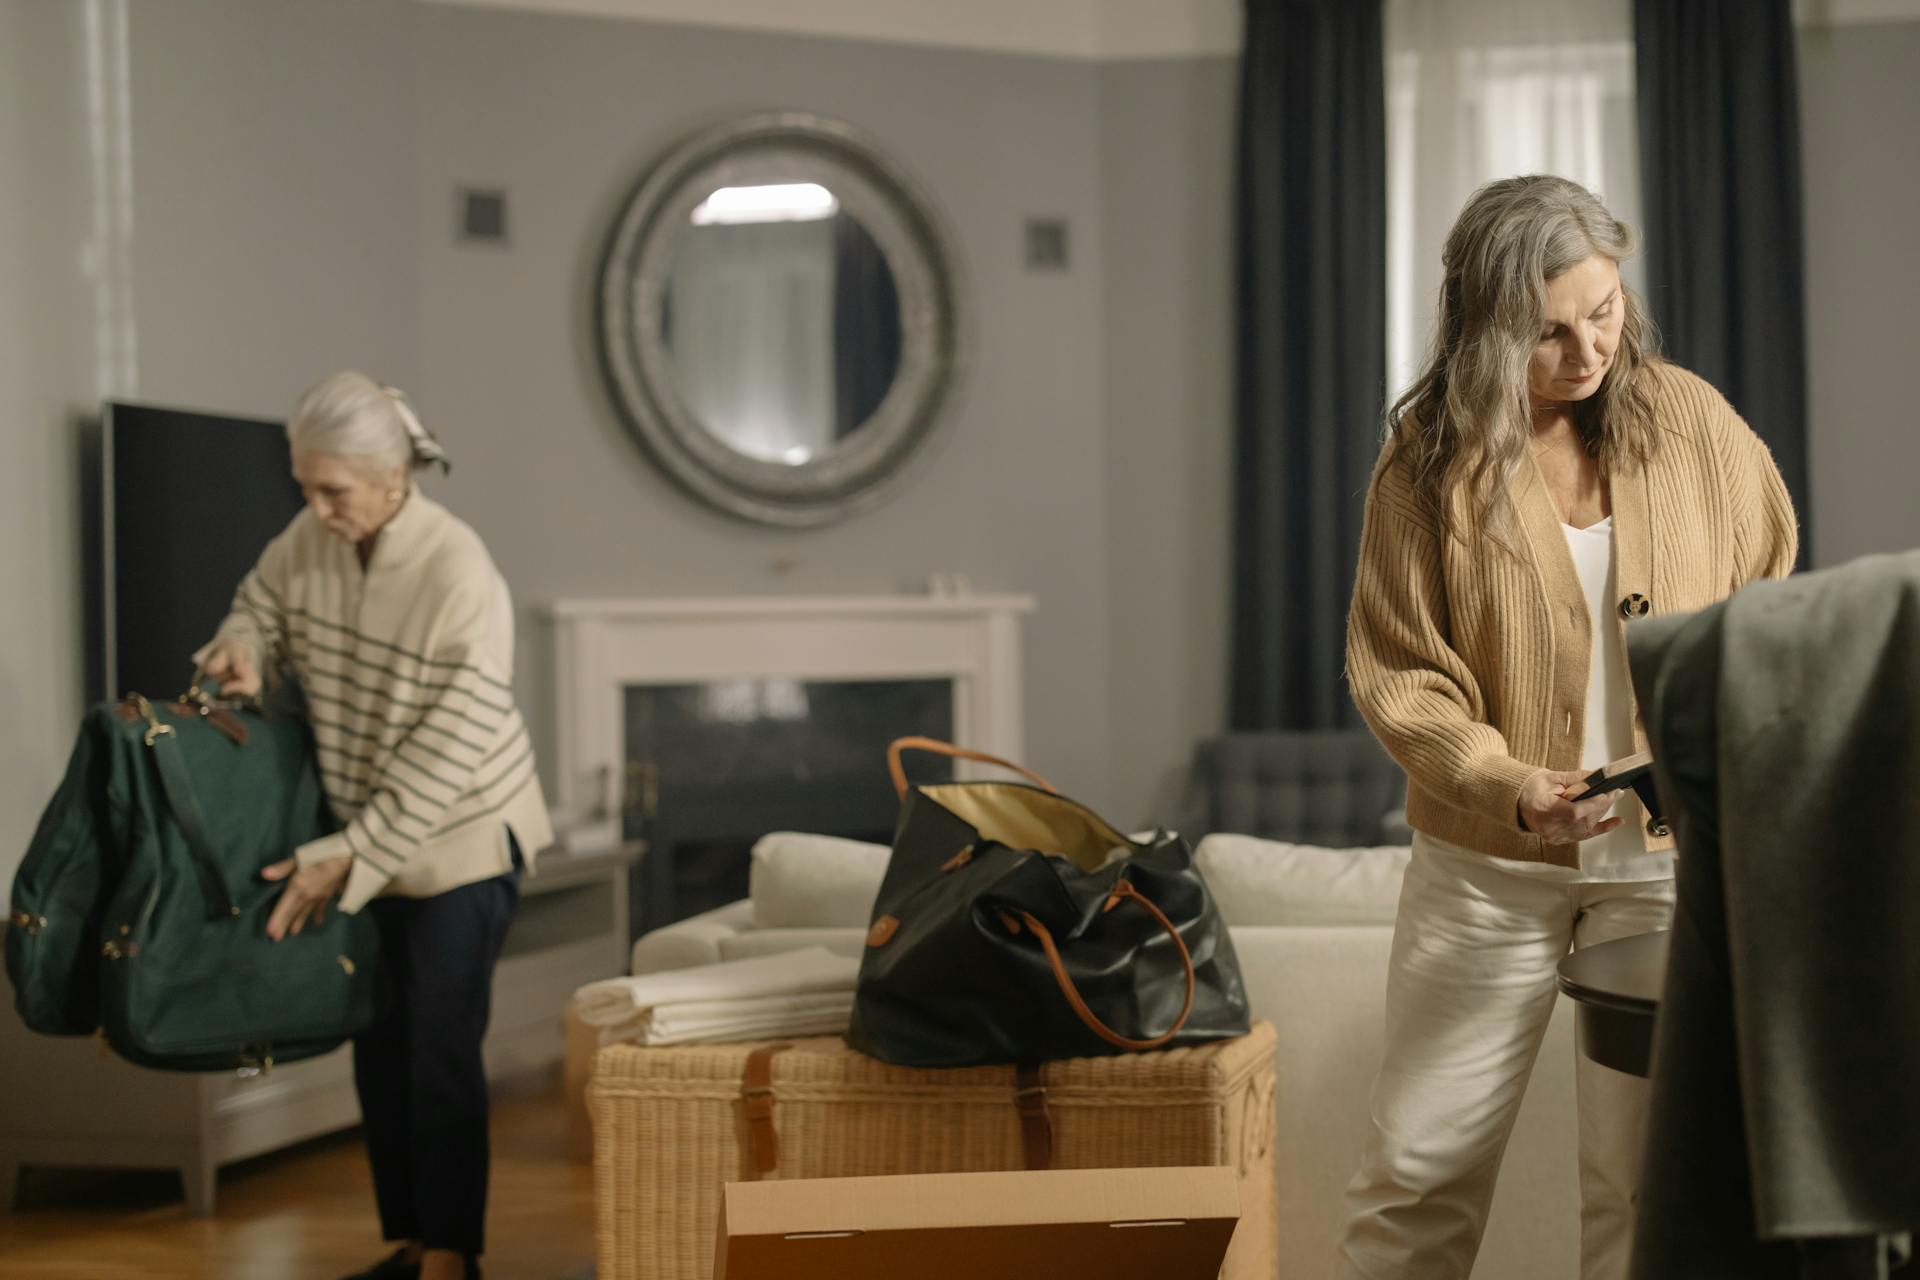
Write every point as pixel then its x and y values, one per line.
pixel 1486 89
pixel 752 343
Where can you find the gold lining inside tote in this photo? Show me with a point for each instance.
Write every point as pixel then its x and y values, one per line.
pixel 1026 818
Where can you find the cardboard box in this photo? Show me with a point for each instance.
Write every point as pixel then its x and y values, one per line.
pixel 1116 1224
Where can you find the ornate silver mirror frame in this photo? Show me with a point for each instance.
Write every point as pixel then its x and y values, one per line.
pixel 859 469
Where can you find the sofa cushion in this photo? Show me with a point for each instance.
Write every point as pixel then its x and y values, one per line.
pixel 1273 882
pixel 802 881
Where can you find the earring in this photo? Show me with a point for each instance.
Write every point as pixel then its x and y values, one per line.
pixel 394 495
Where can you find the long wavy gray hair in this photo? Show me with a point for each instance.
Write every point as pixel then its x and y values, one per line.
pixel 1466 422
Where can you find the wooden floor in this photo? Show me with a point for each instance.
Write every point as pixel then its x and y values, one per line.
pixel 304 1214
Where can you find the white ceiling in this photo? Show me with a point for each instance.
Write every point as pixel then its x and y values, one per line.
pixel 1092 30
pixel 1084 29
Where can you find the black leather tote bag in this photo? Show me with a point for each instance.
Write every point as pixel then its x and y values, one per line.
pixel 1015 925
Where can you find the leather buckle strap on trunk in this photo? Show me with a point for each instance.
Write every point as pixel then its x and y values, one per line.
pixel 756 1102
pixel 1036 1127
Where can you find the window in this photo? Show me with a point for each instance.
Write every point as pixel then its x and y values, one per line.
pixel 1485 89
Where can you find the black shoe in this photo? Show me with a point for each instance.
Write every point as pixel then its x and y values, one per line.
pixel 397 1266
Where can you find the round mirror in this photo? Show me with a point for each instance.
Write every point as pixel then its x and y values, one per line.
pixel 778 319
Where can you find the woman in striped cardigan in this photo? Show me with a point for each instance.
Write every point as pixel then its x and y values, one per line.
pixel 390 616
pixel 1547 481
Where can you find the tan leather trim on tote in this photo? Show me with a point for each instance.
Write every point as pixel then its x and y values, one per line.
pixel 1122 891
pixel 898 770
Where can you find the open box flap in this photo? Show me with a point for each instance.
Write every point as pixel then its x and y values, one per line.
pixel 1117 1224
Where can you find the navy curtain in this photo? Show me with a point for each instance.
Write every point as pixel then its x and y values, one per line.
pixel 866 325
pixel 1720 158
pixel 1311 349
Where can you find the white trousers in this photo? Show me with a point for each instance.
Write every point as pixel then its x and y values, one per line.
pixel 1470 988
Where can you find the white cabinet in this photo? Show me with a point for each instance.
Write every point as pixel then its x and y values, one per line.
pixel 69 1101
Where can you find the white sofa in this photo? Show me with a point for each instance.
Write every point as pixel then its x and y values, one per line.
pixel 1312 929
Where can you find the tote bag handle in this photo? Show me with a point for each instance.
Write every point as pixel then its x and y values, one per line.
pixel 1124 889
pixel 939 748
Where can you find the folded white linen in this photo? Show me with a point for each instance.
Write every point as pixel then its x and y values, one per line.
pixel 719 1021
pixel 806 992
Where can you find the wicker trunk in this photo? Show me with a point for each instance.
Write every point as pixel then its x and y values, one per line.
pixel 670 1126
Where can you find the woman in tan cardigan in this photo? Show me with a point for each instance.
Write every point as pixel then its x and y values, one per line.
pixel 1545 482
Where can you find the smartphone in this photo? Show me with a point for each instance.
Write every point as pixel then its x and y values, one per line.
pixel 1619 775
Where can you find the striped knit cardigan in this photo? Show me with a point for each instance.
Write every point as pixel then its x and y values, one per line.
pixel 405 667
pixel 1471 664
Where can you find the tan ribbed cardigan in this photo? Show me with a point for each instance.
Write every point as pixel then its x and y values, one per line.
pixel 1471 665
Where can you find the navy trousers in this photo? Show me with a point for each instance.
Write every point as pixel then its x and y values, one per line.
pixel 423 1092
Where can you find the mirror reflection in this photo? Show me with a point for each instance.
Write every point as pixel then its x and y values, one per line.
pixel 781 318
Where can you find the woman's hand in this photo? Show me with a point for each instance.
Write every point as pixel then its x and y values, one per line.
pixel 308 890
pixel 1551 807
pixel 231 663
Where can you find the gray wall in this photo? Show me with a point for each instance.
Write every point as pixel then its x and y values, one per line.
pixel 1166 131
pixel 274 178
pixel 1860 96
pixel 293 167
pixel 47 383
pixel 567 113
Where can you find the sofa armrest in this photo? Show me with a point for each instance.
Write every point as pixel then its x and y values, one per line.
pixel 698 940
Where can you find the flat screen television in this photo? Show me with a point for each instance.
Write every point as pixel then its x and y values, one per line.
pixel 189 499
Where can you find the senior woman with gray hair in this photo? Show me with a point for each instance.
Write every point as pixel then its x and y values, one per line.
pixel 390 616
pixel 1546 481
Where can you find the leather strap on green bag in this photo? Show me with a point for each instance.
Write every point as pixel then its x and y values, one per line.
pixel 185 807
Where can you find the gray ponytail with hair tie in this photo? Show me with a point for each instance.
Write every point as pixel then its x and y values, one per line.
pixel 351 416
pixel 426 449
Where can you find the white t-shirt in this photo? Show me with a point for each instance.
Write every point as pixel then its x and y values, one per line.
pixel 1620 855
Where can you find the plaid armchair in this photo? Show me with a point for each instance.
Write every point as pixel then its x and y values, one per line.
pixel 1335 787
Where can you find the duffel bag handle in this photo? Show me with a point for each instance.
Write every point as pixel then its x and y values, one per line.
pixel 939 748
pixel 1124 889
pixel 204 696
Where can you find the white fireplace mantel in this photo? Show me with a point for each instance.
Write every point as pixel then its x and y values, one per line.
pixel 602 646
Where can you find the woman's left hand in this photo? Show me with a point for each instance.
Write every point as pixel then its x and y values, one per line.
pixel 308 891
pixel 1555 806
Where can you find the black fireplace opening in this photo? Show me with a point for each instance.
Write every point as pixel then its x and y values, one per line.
pixel 711 767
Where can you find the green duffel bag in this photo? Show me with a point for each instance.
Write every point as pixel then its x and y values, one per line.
pixel 59 894
pixel 187 803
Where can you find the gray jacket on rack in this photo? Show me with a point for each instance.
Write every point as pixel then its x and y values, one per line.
pixel 1785 1113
